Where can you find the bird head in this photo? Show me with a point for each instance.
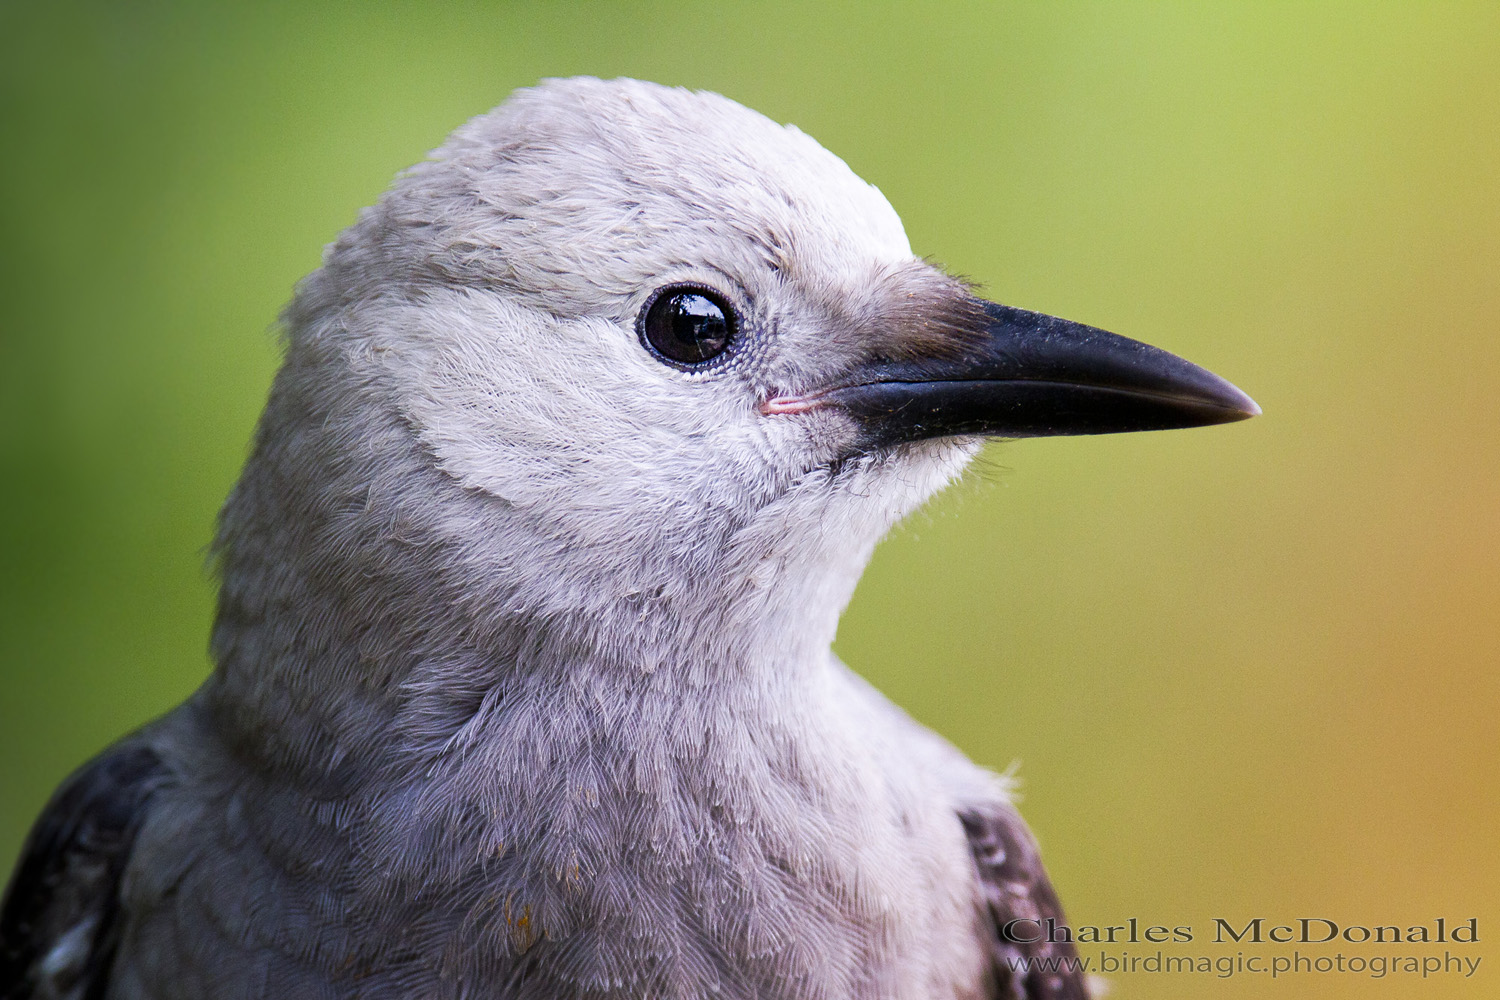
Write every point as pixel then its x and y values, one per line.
pixel 619 353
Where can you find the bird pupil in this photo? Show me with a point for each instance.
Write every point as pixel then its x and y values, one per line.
pixel 698 325
pixel 687 326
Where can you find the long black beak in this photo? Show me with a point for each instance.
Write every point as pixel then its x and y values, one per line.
pixel 1030 375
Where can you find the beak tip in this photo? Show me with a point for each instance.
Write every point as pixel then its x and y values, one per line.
pixel 1240 404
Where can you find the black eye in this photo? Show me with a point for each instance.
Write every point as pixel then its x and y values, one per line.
pixel 687 324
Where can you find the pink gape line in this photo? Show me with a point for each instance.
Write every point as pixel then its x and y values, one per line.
pixel 789 404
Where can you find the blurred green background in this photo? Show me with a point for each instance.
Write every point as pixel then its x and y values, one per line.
pixel 1248 671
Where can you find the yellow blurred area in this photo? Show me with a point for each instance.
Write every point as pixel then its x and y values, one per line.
pixel 1247 671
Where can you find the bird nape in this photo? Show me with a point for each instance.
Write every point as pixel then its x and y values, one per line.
pixel 522 676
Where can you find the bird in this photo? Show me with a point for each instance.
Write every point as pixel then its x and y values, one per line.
pixel 522 682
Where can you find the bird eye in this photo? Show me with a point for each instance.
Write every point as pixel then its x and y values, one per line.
pixel 687 324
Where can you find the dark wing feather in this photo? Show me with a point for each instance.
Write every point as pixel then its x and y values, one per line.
pixel 1024 963
pixel 58 924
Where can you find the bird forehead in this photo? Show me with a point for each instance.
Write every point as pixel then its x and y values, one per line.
pixel 620 181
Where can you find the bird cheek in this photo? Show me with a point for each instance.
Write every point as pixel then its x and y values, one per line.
pixel 806 433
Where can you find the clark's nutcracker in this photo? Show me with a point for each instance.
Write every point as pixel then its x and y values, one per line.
pixel 522 683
